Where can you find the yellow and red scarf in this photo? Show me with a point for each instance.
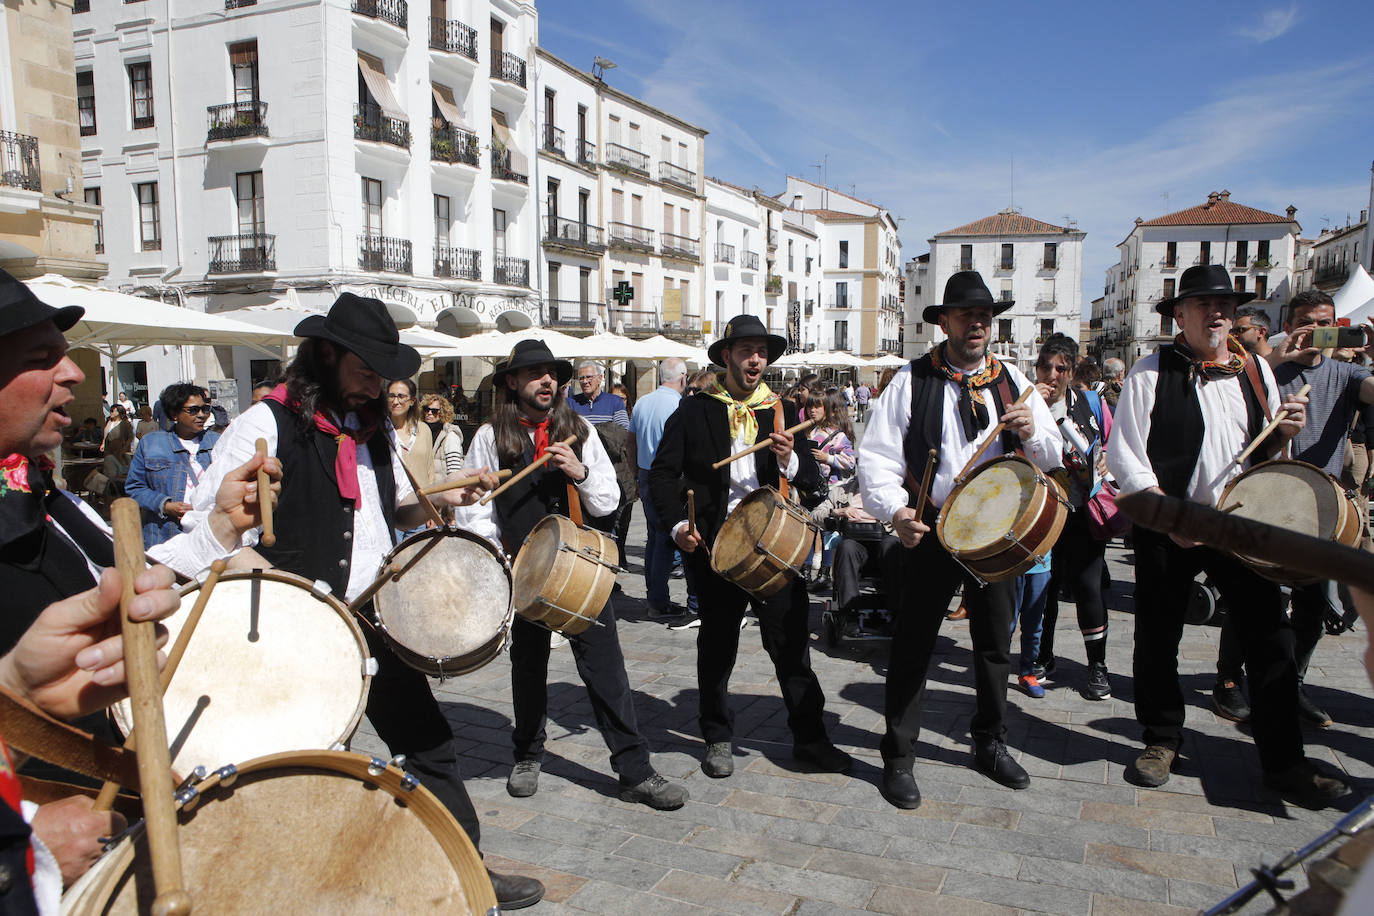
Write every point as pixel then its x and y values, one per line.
pixel 1209 370
pixel 741 413
pixel 973 404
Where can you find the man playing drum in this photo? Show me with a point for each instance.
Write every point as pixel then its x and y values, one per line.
pixel 531 418
pixel 1185 414
pixel 713 424
pixel 949 400
pixel 344 491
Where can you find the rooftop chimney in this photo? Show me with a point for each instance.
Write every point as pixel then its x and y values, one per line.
pixel 1225 195
pixel 1212 198
pixel 1292 211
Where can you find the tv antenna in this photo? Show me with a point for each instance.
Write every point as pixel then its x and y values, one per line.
pixel 599 67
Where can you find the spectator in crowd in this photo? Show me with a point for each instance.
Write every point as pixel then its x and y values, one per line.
pixel 832 436
pixel 89 432
pixel 219 416
pixel 413 439
pixel 650 416
pixel 146 423
pixel 884 380
pixel 700 380
pixel 1087 375
pixel 1252 330
pixel 262 389
pixel 861 395
pixel 116 425
pixel 437 412
pixel 168 464
pixel 1113 374
pixel 1032 590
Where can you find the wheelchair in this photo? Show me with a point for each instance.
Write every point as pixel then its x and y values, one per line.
pixel 868 617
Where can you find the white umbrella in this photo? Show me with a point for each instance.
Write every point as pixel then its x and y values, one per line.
pixel 494 345
pixel 835 359
pixel 889 361
pixel 662 348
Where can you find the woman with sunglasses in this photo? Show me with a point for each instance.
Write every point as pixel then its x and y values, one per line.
pixel 437 412
pixel 167 464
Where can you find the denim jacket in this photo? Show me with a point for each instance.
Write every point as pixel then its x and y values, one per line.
pixel 159 472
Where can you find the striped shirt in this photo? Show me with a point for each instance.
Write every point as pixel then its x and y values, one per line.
pixel 603 408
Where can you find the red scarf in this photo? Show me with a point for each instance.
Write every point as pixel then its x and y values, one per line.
pixel 346 461
pixel 541 434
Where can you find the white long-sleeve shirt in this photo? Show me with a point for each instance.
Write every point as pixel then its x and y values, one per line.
pixel 1226 431
pixel 882 463
pixel 599 493
pixel 186 554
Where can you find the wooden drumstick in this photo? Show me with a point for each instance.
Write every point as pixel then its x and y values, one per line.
pixel 469 481
pixel 996 432
pixel 358 603
pixel 760 446
pixel 109 790
pixel 1273 425
pixel 155 760
pixel 692 513
pixel 269 534
pixel 924 492
pixel 525 472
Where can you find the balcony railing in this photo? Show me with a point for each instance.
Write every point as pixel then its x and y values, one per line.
pixel 553 139
pixel 628 236
pixel 681 246
pixel 1331 273
pixel 626 158
pixel 642 321
pixel 237 120
pixel 369 123
pixel 500 167
pixel 242 254
pixel 1005 264
pixel 570 313
pixel 725 254
pixel 1046 304
pixel 966 265
pixel 569 232
pixel 586 153
pixel 19 161
pixel 1049 264
pixel 1264 264
pixel 1168 263
pixel 809 307
pixel 453 36
pixel 392 11
pixel 748 260
pixel 453 144
pixel 509 68
pixel 459 263
pixel 773 285
pixel 382 253
pixel 512 271
pixel 676 174
pixel 233 4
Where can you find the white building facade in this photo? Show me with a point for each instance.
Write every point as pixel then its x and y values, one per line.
pixel 1335 253
pixel 735 229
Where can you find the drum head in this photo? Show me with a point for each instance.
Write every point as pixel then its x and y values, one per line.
pixel 453 601
pixel 743 529
pixel 271 667
pixel 989 505
pixel 536 558
pixel 1289 494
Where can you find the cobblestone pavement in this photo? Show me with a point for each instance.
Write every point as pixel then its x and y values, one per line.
pixel 774 838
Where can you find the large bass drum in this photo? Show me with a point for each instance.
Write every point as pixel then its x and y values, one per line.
pixel 764 543
pixel 564 575
pixel 1003 519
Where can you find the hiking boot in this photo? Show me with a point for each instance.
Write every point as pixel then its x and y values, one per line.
pixel 1097 687
pixel 1310 712
pixel 1228 699
pixel 1153 766
pixel 720 760
pixel 992 760
pixel 523 780
pixel 656 792
pixel 515 892
pixel 1306 785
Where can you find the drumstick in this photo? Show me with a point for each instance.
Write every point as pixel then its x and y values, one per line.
pixel 996 431
pixel 359 602
pixel 692 513
pixel 524 472
pixel 759 446
pixel 1273 425
pixel 155 760
pixel 1309 555
pixel 109 790
pixel 924 493
pixel 420 497
pixel 461 482
pixel 269 534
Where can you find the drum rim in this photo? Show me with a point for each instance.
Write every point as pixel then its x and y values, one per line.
pixel 544 602
pixel 1020 530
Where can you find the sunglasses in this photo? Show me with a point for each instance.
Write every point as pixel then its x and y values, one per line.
pixel 431 410
pixel 203 408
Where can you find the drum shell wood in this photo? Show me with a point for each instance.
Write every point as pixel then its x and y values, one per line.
pixel 314 832
pixel 564 575
pixel 763 543
pixel 1033 533
pixel 451 612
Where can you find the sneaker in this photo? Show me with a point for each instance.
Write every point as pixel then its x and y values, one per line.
pixel 1098 686
pixel 720 760
pixel 1228 699
pixel 1031 685
pixel 657 793
pixel 1153 766
pixel 1310 712
pixel 661 613
pixel 523 780
pixel 1306 785
pixel 1044 667
pixel 691 623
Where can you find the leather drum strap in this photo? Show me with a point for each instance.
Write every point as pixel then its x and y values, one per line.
pixel 27 728
pixel 778 428
pixel 575 503
pixel 1252 373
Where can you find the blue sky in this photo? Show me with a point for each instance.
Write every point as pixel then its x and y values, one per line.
pixel 946 113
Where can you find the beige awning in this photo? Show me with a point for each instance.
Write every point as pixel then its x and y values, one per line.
pixel 375 77
pixel 448 107
pixel 501 136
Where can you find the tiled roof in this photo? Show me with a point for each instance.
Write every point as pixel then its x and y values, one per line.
pixel 1008 222
pixel 837 214
pixel 1217 211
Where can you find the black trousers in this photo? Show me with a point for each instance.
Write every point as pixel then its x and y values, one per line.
pixel 784 626
pixel 1164 576
pixel 1308 610
pixel 402 708
pixel 882 558
pixel 601 665
pixel 1078 560
pixel 931 575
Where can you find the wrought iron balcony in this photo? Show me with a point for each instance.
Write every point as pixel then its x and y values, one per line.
pixel 509 68
pixel 233 4
pixel 242 254
pixel 624 235
pixel 453 144
pixel 623 157
pixel 1264 263
pixel 570 313
pixel 19 161
pixel 1331 273
pixel 459 263
pixel 810 307
pixel 748 260
pixel 570 233
pixel 680 246
pixel 966 265
pixel 676 174
pixel 1046 304
pixel 369 123
pixel 553 139
pixel 500 167
pixel 1005 264
pixel 383 253
pixel 1049 264
pixel 392 11
pixel 512 271
pixel 634 321
pixel 1168 263
pixel 773 286
pixel 453 36
pixel 237 120
pixel 586 153
pixel 725 254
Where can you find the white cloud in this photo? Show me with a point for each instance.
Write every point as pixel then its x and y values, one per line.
pixel 1270 25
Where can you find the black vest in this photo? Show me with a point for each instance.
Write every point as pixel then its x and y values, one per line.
pixel 314 524
pixel 1176 426
pixel 545 492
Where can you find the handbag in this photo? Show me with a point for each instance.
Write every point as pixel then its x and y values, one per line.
pixel 1105 520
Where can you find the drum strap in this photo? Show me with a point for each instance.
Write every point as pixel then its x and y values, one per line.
pixel 1252 374
pixel 778 427
pixel 27 728
pixel 574 505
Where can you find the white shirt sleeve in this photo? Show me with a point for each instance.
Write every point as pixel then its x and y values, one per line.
pixel 477 518
pixel 1045 447
pixel 882 463
pixel 235 447
pixel 1127 460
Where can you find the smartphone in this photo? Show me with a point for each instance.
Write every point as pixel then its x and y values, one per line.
pixel 1338 338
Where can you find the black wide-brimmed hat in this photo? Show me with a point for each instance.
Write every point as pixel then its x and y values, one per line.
pixel 20 308
pixel 1203 280
pixel 965 290
pixel 362 325
pixel 747 326
pixel 531 353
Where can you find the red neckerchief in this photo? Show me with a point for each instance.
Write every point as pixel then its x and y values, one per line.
pixel 346 461
pixel 541 434
pixel 12 793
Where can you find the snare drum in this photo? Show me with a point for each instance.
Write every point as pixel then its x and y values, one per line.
pixel 764 543
pixel 449 612
pixel 564 575
pixel 275 664
pixel 308 833
pixel 1298 496
pixel 1002 519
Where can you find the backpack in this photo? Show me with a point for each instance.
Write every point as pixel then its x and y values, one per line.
pixel 614 439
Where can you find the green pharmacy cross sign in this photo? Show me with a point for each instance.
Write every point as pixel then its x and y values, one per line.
pixel 624 293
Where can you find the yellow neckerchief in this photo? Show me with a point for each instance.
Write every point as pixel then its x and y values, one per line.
pixel 741 413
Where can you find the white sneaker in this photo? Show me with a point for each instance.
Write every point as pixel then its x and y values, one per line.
pixel 556 640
